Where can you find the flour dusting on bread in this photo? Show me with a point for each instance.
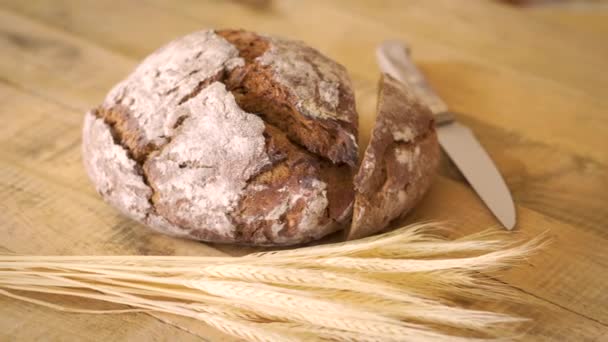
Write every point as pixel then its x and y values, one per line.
pixel 200 174
pixel 234 137
pixel 170 75
pixel 115 175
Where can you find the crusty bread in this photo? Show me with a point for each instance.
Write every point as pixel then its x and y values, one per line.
pixel 297 89
pixel 399 162
pixel 229 137
pixel 234 137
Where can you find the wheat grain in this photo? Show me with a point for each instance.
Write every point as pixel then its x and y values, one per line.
pixel 399 285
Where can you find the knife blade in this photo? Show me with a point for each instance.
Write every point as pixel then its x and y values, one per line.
pixel 456 139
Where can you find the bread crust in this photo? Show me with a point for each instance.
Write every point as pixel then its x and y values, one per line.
pixel 234 137
pixel 174 148
pixel 297 89
pixel 399 162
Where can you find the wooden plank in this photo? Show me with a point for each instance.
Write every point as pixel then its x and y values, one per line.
pixel 84 16
pixel 26 185
pixel 554 159
pixel 56 211
pixel 45 139
pixel 49 207
pixel 461 73
pixel 34 165
pixel 562 149
pixel 571 269
pixel 497 33
pixel 23 229
pixel 541 176
pixel 39 59
pixel 41 217
pixel 549 322
pixel 85 67
pixel 556 276
pixel 441 200
pixel 591 21
pixel 63 196
pixel 28 322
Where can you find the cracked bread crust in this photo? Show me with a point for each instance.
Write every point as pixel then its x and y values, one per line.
pixel 166 79
pixel 399 163
pixel 298 188
pixel 172 148
pixel 299 90
pixel 198 177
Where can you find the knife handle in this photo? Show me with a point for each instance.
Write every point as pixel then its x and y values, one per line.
pixel 395 56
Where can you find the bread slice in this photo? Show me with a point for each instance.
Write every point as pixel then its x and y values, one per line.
pixel 399 162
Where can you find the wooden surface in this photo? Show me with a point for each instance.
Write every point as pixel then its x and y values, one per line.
pixel 533 86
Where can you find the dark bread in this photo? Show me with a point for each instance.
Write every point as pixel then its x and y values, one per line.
pixel 234 137
pixel 399 162
pixel 214 137
pixel 300 91
pixel 301 175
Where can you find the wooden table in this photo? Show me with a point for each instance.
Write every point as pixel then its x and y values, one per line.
pixel 533 87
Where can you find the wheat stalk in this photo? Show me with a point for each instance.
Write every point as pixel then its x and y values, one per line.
pixel 396 286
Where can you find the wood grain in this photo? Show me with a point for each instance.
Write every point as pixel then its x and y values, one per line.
pixel 540 116
pixel 590 22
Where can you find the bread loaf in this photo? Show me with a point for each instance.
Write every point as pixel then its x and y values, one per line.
pixel 232 137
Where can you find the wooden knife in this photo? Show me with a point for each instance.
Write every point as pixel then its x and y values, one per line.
pixel 457 140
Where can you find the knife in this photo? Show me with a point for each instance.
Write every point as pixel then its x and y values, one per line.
pixel 457 140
